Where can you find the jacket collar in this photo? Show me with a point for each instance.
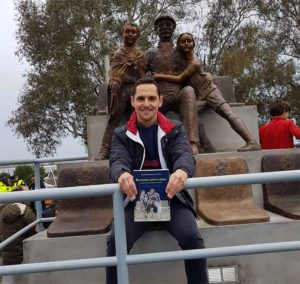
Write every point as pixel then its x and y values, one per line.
pixel 165 124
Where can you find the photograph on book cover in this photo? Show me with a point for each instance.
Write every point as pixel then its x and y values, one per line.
pixel 152 203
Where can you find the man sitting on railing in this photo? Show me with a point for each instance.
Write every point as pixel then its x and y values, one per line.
pixel 150 140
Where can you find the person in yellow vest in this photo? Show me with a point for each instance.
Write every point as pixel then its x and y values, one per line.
pixel 5 184
pixel 16 181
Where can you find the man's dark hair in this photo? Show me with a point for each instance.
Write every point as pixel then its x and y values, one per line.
pixel 277 107
pixel 148 79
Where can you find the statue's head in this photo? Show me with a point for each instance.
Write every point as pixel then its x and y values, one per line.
pixel 164 26
pixel 185 43
pixel 130 34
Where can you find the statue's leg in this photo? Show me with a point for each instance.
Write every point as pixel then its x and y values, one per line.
pixel 114 122
pixel 205 145
pixel 189 116
pixel 239 127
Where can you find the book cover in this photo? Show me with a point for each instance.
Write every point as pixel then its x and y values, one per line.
pixel 152 202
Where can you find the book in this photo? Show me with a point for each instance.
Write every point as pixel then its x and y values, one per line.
pixel 152 202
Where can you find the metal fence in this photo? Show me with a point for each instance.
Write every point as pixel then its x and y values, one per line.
pixel 122 259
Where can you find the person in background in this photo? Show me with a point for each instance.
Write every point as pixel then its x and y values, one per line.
pixel 5 184
pixel 13 218
pixel 279 132
pixel 32 187
pixel 16 181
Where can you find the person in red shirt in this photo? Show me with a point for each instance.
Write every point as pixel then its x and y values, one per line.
pixel 279 132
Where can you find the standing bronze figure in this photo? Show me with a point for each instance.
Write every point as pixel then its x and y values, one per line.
pixel 127 66
pixel 163 59
pixel 207 93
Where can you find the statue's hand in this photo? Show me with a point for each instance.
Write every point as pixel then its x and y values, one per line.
pixel 155 75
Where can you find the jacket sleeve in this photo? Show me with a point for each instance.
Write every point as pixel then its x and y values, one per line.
pixel 120 159
pixel 294 130
pixel 182 156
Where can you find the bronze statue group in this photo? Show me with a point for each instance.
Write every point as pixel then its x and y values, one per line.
pixel 149 140
pixel 181 80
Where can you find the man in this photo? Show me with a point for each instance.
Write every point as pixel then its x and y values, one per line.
pixel 279 132
pixel 150 140
pixel 5 185
pixel 127 66
pixel 165 59
pixel 16 181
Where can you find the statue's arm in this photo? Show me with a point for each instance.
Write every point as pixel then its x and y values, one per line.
pixel 193 67
pixel 167 77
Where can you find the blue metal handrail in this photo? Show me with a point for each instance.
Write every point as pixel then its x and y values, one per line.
pixel 37 164
pixel 122 259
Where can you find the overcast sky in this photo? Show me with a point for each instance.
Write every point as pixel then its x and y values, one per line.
pixel 11 81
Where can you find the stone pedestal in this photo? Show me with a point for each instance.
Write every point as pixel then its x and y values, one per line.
pixel 82 216
pixel 271 268
pixel 214 128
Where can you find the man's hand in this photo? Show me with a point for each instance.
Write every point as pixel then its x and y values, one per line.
pixel 127 185
pixel 176 182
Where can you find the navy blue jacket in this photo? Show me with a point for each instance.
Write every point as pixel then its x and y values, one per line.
pixel 128 153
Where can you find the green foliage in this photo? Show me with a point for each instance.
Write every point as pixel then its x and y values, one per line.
pixel 4 174
pixel 256 42
pixel 25 172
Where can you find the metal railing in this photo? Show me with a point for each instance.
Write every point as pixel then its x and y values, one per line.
pixel 122 259
pixel 36 165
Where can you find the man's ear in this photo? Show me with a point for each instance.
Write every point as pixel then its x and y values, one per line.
pixel 132 101
pixel 161 99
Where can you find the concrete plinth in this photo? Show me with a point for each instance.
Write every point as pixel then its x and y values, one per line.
pixel 274 268
pixel 216 129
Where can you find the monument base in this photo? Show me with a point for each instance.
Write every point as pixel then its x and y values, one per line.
pixel 214 130
pixel 272 268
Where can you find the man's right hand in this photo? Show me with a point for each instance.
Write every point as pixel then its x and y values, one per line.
pixel 127 185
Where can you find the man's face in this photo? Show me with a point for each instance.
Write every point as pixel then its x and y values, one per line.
pixel 165 29
pixel 186 43
pixel 146 103
pixel 130 35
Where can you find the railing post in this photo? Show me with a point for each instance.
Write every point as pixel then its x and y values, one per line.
pixel 120 237
pixel 38 204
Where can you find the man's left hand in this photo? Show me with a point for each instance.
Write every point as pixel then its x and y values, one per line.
pixel 176 182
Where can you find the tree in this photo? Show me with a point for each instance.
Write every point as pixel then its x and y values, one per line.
pixel 25 172
pixel 283 18
pixel 239 42
pixel 65 41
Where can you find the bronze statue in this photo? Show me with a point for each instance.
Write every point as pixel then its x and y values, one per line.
pixel 207 93
pixel 127 66
pixel 163 60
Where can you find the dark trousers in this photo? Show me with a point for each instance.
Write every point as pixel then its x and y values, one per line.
pixel 182 227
